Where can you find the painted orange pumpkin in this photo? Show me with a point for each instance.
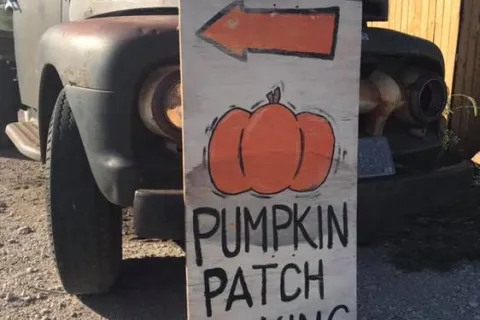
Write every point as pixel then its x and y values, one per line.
pixel 270 150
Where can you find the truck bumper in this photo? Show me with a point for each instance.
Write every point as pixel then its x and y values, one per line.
pixel 160 213
pixel 383 202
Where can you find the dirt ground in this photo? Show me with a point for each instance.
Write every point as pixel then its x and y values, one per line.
pixel 29 285
pixel 426 269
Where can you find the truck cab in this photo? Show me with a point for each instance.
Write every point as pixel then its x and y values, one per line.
pixel 99 93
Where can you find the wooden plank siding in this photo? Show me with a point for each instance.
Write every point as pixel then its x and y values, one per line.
pixel 467 78
pixel 454 26
pixel 434 20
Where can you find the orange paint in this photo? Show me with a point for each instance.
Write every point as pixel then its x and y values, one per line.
pixel 302 32
pixel 223 152
pixel 319 143
pixel 270 150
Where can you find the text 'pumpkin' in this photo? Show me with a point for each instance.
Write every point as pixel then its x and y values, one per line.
pixel 270 150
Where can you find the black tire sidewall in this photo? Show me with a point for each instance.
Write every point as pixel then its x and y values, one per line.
pixel 85 229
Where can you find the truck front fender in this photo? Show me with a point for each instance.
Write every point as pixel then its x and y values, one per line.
pixel 101 63
pixel 386 42
pixel 108 53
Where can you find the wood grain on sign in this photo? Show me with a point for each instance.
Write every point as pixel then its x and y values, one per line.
pixel 270 93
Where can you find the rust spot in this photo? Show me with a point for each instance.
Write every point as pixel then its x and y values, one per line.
pixel 92 32
pixel 76 77
pixel 120 25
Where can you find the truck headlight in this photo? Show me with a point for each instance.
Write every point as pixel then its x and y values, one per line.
pixel 173 105
pixel 160 102
pixel 426 96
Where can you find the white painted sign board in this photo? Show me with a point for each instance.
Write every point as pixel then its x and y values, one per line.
pixel 271 95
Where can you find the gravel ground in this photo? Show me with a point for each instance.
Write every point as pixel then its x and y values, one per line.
pixel 426 270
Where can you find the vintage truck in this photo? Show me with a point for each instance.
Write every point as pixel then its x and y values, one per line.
pixel 9 103
pixel 99 95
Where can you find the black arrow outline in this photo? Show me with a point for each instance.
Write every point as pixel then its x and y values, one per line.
pixel 243 57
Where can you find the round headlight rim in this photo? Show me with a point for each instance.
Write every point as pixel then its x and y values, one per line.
pixel 163 99
pixel 417 89
pixel 158 81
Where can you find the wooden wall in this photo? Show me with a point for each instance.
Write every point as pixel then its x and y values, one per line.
pixel 454 26
pixel 435 20
pixel 464 124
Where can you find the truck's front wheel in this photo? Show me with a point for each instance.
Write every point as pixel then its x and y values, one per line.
pixel 85 229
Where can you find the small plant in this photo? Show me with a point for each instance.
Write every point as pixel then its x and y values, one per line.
pixel 449 138
pixel 449 110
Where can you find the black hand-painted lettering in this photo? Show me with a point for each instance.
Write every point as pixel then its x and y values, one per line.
pixel 245 295
pixel 197 235
pixel 250 223
pixel 298 225
pixel 332 220
pixel 238 240
pixel 283 294
pixel 314 277
pixel 337 308
pixel 264 268
pixel 208 274
pixel 279 226
pixel 320 227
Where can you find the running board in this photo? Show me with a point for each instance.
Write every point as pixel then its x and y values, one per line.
pixel 24 135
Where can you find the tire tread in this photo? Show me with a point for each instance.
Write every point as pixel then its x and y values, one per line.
pixel 84 228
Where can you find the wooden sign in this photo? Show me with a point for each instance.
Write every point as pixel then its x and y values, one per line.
pixel 271 94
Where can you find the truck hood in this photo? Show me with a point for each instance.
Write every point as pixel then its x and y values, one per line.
pixel 374 10
pixel 84 9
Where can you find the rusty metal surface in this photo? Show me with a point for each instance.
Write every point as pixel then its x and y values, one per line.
pixel 102 62
pixel 85 53
pixel 83 9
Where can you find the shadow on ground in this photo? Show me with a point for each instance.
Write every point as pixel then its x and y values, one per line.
pixel 149 288
pixel 436 241
pixel 154 288
pixel 12 153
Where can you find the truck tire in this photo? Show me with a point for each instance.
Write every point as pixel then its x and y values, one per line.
pixel 85 229
pixel 9 100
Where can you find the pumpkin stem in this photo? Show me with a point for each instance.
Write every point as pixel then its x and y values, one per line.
pixel 274 96
pixel 270 97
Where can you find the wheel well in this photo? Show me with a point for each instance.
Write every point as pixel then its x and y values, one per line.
pixel 50 87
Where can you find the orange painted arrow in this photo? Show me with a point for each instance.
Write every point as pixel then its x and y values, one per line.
pixel 237 30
